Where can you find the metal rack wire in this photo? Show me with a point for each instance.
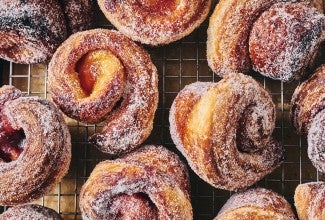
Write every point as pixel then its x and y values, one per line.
pixel 179 64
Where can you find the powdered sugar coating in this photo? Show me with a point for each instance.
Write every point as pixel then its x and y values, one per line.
pixel 78 14
pixel 310 201
pixel 156 22
pixel 30 30
pixel 256 204
pixel 285 39
pixel 205 126
pixel 307 112
pixel 35 212
pixel 316 141
pixel 135 101
pixel 229 32
pixel 151 181
pixel 46 151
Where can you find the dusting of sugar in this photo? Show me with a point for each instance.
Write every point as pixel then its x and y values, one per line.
pixel 228 48
pixel 131 121
pixel 216 156
pixel 316 141
pixel 24 212
pixel 146 25
pixel 285 38
pixel 310 200
pixel 46 150
pixel 27 35
pixel 141 181
pixel 258 198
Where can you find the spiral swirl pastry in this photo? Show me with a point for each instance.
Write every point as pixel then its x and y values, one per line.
pixel 150 183
pixel 310 201
pixel 308 115
pixel 156 22
pixel 256 204
pixel 24 212
pixel 35 147
pixel 30 31
pixel 224 130
pixel 277 38
pixel 100 75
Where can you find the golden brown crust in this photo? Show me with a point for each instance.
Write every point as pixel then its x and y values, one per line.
pixel 230 31
pixel 126 100
pixel 206 124
pixel 310 201
pixel 30 31
pixel 156 22
pixel 259 204
pixel 152 182
pixel 308 115
pixel 24 212
pixel 46 148
pixel 308 100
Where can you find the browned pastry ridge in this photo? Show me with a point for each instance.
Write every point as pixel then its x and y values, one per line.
pixel 277 38
pixel 101 75
pixel 31 31
pixel 30 212
pixel 310 201
pixel 150 183
pixel 259 204
pixel 156 22
pixel 78 14
pixel 35 147
pixel 225 131
pixel 308 115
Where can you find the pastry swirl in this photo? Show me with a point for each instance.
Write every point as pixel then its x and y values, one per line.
pixel 125 95
pixel 32 30
pixel 150 183
pixel 310 201
pixel 279 39
pixel 35 147
pixel 224 130
pixel 156 22
pixel 24 212
pixel 256 204
pixel 308 115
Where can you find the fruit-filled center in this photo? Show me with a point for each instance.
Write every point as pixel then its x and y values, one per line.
pixel 159 5
pixel 11 142
pixel 96 68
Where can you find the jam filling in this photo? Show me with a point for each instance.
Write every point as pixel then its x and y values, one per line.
pixel 95 67
pixel 10 142
pixel 158 5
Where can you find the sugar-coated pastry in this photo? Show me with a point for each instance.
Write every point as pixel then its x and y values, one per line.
pixel 101 75
pixel 35 147
pixel 256 204
pixel 30 212
pixel 279 39
pixel 78 14
pixel 310 201
pixel 156 22
pixel 32 30
pixel 150 183
pixel 308 115
pixel 224 130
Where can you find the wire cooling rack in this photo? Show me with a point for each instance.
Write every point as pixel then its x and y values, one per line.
pixel 179 64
